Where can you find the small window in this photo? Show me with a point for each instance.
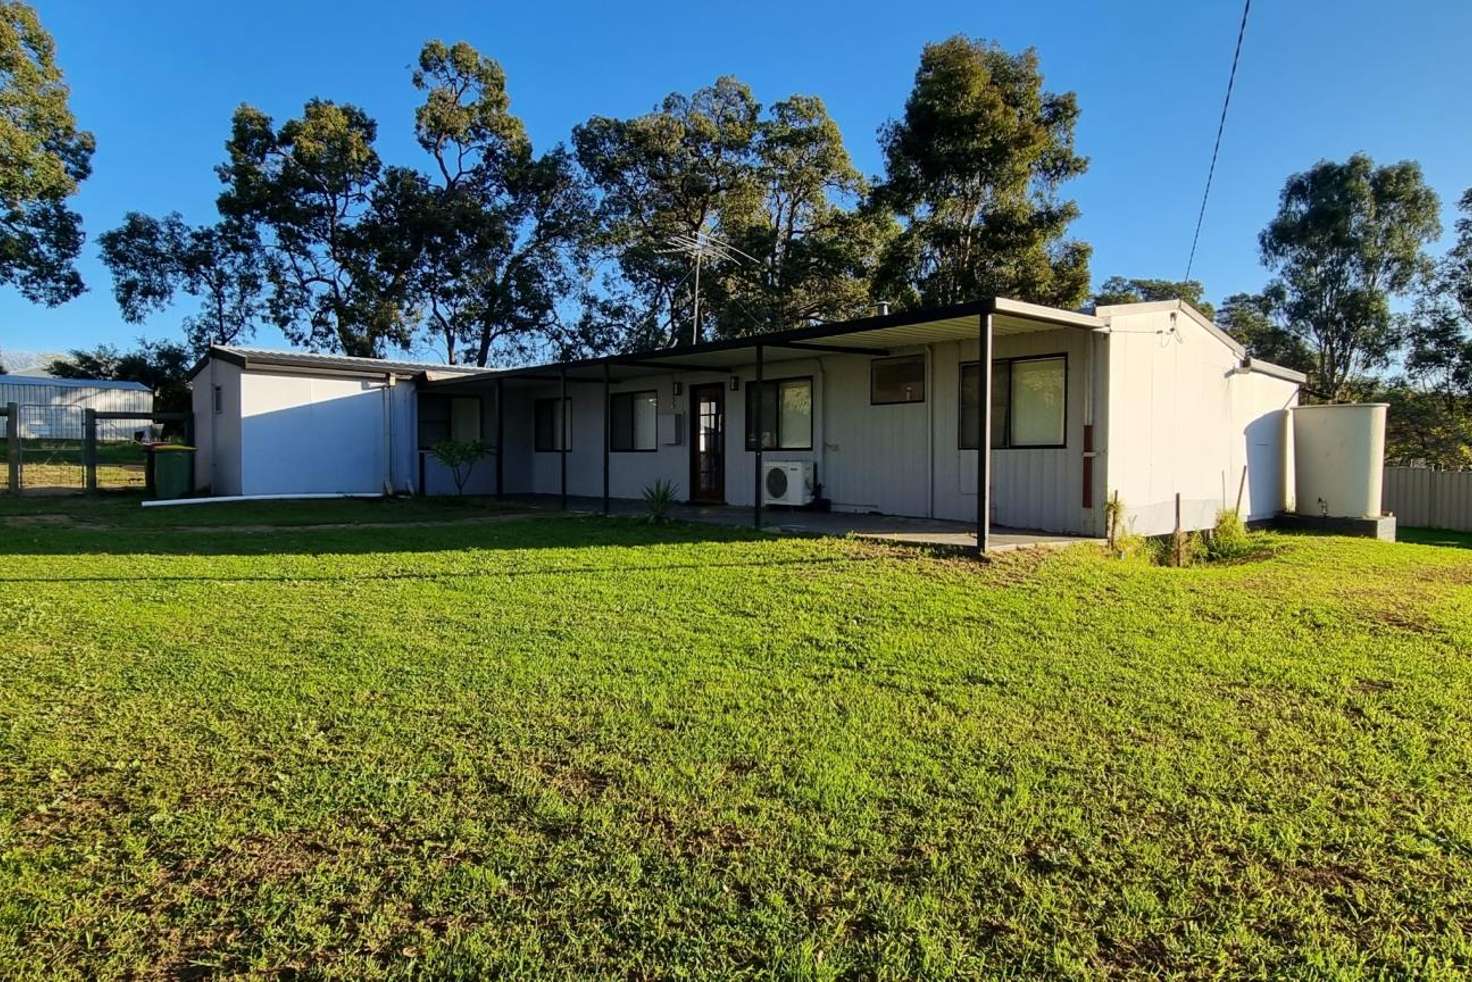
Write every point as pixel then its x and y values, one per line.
pixel 219 400
pixel 897 380
pixel 545 412
pixel 631 421
pixel 1029 403
pixel 787 414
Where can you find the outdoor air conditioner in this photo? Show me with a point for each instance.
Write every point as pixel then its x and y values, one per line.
pixel 787 482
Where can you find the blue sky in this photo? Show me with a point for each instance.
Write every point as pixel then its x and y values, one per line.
pixel 157 82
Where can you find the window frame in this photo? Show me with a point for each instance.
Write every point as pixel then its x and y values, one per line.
pixel 632 394
pixel 749 438
pixel 875 362
pixel 1011 389
pixel 566 425
pixel 219 400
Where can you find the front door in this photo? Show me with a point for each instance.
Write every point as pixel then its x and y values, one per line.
pixel 708 443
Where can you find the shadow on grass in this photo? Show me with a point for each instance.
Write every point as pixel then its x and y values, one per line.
pixel 1435 537
pixel 506 532
pixel 582 570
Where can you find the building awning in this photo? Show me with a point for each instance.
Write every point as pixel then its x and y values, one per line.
pixel 868 335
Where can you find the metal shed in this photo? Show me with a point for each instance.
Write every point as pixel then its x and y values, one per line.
pixel 52 407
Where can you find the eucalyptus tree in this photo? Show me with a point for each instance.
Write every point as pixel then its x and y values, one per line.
pixel 807 247
pixel 307 190
pixel 1346 239
pixel 496 232
pixel 973 169
pixel 659 177
pixel 220 266
pixel 1122 289
pixel 45 159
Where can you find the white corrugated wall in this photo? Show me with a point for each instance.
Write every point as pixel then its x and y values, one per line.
pixel 69 401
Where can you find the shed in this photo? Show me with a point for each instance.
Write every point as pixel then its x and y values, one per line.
pixel 52 408
pixel 291 422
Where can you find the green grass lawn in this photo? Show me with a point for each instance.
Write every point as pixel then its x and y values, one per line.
pixel 572 746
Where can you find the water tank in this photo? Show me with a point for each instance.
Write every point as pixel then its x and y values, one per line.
pixel 1339 459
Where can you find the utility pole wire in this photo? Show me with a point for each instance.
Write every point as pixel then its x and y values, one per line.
pixel 1221 125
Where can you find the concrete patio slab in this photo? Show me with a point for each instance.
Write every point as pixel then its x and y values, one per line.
pixel 925 532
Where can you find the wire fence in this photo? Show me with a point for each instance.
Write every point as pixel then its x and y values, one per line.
pixel 70 449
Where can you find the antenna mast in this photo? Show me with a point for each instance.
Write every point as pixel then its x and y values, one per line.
pixel 701 246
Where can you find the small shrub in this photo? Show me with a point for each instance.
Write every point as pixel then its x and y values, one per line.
pixel 1228 537
pixel 460 456
pixel 659 500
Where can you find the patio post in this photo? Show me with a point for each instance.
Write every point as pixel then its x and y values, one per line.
pixel 500 436
pixel 607 428
pixel 984 438
pixel 562 424
pixel 755 393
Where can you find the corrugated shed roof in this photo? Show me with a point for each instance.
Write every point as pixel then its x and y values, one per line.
pixel 267 357
pixel 71 383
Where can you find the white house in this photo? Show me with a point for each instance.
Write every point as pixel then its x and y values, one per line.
pixel 881 414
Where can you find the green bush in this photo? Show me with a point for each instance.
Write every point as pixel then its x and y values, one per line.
pixel 460 456
pixel 1228 537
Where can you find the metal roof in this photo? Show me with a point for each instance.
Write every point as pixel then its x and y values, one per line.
pixel 868 335
pixel 252 358
pixel 49 381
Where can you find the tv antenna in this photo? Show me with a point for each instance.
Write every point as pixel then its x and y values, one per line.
pixel 701 246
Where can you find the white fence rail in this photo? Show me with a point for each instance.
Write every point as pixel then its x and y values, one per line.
pixel 1422 498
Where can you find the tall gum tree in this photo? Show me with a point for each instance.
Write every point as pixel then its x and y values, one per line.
pixel 45 158
pixel 973 170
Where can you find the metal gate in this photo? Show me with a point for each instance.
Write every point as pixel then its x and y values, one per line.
pixel 51 448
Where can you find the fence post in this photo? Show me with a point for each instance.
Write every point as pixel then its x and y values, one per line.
pixel 194 457
pixel 89 449
pixel 12 445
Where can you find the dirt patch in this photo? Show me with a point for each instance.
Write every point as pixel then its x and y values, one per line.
pixel 40 521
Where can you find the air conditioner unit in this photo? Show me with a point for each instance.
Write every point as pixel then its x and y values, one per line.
pixel 787 482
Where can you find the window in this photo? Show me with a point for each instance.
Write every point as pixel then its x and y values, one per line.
pixel 896 380
pixel 787 414
pixel 631 421
pixel 545 413
pixel 444 418
pixel 1029 403
pixel 219 400
pixel 465 419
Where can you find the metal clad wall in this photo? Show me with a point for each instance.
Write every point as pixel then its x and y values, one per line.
pixel 1183 420
pixel 59 425
pixel 868 458
pixel 312 434
pixel 1422 498
pixel 1031 489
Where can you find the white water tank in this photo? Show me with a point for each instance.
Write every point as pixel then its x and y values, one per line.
pixel 1339 459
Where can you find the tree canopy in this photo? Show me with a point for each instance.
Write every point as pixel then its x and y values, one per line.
pixel 973 169
pixel 161 365
pixel 45 159
pixel 1121 289
pixel 307 190
pixel 219 265
pixel 494 236
pixel 1346 238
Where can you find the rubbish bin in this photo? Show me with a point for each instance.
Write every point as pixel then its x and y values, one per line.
pixel 173 469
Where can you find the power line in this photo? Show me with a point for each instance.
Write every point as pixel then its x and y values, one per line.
pixel 1221 124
